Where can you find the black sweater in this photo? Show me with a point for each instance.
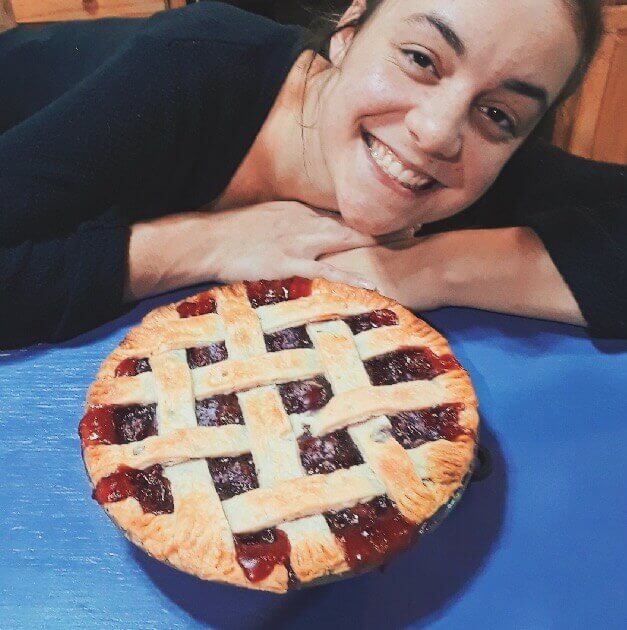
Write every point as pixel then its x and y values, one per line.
pixel 104 123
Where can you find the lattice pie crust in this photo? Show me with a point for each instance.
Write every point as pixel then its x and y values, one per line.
pixel 300 498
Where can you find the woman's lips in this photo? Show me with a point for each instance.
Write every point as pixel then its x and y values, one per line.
pixel 394 169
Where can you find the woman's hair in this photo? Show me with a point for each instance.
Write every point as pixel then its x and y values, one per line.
pixel 586 15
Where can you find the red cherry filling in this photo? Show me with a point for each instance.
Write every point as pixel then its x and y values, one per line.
pixel 308 395
pixel 409 364
pixel 117 425
pixel 265 292
pixel 214 353
pixel 374 319
pixel 321 455
pixel 370 532
pixel 260 552
pixel 149 487
pixel 218 411
pixel 412 428
pixel 233 475
pixel 201 305
pixel 132 367
pixel 288 339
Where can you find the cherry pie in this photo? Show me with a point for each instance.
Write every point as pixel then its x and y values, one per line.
pixel 273 433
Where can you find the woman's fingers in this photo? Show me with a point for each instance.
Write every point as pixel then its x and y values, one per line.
pixel 316 269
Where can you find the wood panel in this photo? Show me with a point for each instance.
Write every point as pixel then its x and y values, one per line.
pixel 6 15
pixel 593 122
pixel 58 10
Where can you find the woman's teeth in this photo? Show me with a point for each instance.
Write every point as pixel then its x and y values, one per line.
pixel 393 167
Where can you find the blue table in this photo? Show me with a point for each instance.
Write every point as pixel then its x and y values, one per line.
pixel 539 544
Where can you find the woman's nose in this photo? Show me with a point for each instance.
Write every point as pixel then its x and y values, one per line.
pixel 437 128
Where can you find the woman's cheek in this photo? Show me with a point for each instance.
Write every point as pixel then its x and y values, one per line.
pixel 482 167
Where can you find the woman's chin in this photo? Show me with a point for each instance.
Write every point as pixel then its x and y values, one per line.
pixel 373 226
pixel 369 215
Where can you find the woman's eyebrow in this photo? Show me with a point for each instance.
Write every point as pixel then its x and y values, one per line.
pixel 444 28
pixel 453 40
pixel 528 89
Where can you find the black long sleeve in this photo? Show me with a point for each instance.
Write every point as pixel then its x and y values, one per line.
pixel 63 169
pixel 120 120
pixel 578 208
pixel 74 157
pixel 64 284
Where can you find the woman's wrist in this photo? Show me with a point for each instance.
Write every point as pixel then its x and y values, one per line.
pixel 507 270
pixel 162 255
pixel 140 272
pixel 484 263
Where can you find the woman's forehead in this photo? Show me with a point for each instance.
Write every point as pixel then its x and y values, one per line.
pixel 527 38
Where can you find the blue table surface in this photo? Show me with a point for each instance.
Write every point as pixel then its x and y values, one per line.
pixel 539 544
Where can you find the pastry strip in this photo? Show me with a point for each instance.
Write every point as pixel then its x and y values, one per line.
pixel 276 455
pixel 267 369
pixel 385 456
pixel 296 498
pixel 360 404
pixel 244 336
pixel 176 447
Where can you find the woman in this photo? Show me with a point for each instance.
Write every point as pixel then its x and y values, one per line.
pixel 114 129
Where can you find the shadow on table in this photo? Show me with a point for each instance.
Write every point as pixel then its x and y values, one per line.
pixel 416 587
pixel 534 336
pixel 131 318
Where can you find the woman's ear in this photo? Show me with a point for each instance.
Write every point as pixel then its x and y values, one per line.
pixel 341 41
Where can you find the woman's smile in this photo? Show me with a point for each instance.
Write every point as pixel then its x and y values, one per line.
pixel 393 170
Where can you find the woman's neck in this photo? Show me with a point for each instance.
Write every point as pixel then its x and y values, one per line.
pixel 286 161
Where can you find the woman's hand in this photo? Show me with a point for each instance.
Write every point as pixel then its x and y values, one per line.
pixel 507 270
pixel 269 240
pixel 410 271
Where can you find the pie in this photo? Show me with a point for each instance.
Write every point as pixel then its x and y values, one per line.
pixel 273 434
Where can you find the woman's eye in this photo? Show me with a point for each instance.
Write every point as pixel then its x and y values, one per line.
pixel 422 60
pixel 499 117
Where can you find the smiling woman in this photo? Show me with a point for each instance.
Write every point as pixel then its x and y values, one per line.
pixel 245 150
pixel 439 97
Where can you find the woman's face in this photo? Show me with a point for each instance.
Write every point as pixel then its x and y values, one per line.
pixel 431 99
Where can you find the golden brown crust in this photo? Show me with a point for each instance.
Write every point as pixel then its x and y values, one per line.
pixel 197 536
pixel 176 447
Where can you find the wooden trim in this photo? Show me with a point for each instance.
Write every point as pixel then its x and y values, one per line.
pixel 592 122
pixel 590 99
pixel 7 19
pixel 27 11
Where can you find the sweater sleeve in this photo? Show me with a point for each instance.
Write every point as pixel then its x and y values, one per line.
pixel 578 208
pixel 101 142
pixel 65 173
pixel 54 289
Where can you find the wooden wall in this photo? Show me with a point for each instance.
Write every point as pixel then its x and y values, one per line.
pixel 593 123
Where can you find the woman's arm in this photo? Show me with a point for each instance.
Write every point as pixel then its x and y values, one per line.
pixel 56 288
pixel 67 165
pixel 507 270
pixel 102 141
pixel 269 240
pixel 59 287
pixel 578 209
